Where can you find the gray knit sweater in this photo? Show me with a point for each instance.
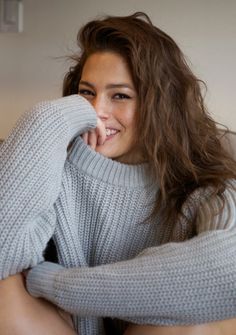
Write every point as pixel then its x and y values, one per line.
pixel 112 264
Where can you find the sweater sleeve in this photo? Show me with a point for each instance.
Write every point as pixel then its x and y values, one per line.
pixel 183 283
pixel 31 166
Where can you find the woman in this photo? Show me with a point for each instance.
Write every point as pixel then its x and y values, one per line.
pixel 148 172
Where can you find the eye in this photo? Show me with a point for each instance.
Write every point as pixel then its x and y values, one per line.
pixel 121 96
pixel 85 92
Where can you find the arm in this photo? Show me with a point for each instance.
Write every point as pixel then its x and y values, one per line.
pixel 32 160
pixel 175 284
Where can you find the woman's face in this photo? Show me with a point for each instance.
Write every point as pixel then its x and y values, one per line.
pixel 107 84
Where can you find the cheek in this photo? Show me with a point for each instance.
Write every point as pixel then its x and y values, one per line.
pixel 127 118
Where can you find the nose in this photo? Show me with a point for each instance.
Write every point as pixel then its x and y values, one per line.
pixel 101 107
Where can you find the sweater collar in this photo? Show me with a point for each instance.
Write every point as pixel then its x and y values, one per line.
pixel 105 169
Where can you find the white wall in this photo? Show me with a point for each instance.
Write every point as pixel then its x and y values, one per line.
pixel 30 72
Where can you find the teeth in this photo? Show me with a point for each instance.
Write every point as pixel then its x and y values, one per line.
pixel 110 131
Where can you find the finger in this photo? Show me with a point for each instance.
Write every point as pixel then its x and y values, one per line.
pixel 101 132
pixel 92 139
pixel 85 137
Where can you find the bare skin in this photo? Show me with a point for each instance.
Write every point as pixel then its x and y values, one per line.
pixel 225 327
pixel 21 314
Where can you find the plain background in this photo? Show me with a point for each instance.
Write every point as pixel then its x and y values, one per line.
pixel 33 63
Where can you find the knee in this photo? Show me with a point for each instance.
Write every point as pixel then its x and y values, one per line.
pixel 12 293
pixel 216 328
pixel 21 314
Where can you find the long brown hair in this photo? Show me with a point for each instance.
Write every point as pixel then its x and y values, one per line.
pixel 181 141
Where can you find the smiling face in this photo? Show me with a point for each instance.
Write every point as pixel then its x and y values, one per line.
pixel 107 84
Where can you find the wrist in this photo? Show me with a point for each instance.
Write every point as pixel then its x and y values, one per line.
pixel 40 280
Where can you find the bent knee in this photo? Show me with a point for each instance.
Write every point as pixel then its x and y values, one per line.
pixel 12 291
pixel 224 327
pixel 20 313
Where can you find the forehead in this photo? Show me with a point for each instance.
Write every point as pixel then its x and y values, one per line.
pixel 106 65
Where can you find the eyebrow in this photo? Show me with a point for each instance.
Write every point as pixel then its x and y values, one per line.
pixel 109 86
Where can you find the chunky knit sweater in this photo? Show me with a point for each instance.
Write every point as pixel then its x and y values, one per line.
pixel 112 262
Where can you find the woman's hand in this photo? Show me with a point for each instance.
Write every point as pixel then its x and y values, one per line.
pixel 95 136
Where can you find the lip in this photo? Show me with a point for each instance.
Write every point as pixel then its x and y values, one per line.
pixel 109 137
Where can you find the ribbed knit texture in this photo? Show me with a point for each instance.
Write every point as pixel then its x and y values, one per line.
pixel 112 264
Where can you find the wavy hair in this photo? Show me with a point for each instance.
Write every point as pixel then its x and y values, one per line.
pixel 181 141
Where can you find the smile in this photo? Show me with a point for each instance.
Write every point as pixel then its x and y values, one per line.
pixel 111 132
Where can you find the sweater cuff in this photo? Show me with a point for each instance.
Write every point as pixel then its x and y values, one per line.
pixel 40 281
pixel 79 114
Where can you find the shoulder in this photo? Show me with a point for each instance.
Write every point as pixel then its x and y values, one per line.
pixel 215 211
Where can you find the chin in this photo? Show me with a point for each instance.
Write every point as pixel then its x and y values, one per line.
pixel 107 153
pixel 103 151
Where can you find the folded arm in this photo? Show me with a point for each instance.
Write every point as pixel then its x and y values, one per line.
pixel 31 166
pixel 183 283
